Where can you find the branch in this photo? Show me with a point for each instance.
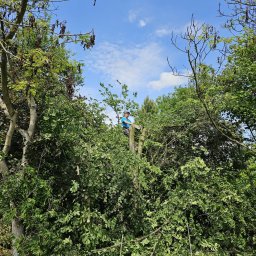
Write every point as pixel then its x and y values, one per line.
pixel 198 91
pixel 73 35
pixel 196 54
pixel 6 51
pixel 251 132
pixel 4 108
pixel 29 133
pixel 33 116
pixel 243 14
pixel 189 239
pixel 5 91
pixel 175 72
pixel 141 141
pixel 121 247
pixel 246 3
pixel 19 19
pixel 131 138
pixel 25 136
pixel 9 135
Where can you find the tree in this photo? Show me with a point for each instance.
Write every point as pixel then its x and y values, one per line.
pixel 203 40
pixel 30 65
pixel 74 186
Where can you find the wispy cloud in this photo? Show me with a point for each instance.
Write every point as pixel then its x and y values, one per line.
pixel 140 66
pixel 135 16
pixel 134 65
pixel 166 80
pixel 161 32
pixel 132 15
pixel 166 31
pixel 142 23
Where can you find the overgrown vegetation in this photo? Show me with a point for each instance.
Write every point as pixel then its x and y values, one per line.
pixel 71 186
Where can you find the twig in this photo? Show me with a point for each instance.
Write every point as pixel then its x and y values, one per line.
pixel 189 239
pixel 8 52
pixel 175 72
pixel 121 247
pixel 19 19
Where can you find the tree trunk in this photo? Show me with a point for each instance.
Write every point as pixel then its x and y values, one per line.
pixel 7 106
pixel 29 133
pixel 17 231
pixel 131 138
pixel 141 141
pixel 7 144
pixel 17 227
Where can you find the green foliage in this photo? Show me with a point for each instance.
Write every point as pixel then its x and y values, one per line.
pixel 118 103
pixel 5 239
pixel 238 82
pixel 83 192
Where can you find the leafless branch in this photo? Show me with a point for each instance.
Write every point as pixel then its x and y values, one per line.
pixel 201 41
pixel 242 14
pixel 19 19
pixel 175 72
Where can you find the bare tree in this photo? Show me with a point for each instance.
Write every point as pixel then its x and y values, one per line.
pixel 202 40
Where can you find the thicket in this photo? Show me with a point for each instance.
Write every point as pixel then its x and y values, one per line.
pixel 70 185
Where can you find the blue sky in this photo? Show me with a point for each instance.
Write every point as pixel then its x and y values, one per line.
pixel 133 40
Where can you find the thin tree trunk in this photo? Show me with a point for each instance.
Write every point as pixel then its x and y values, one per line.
pixel 141 141
pixel 17 231
pixel 9 135
pixel 17 226
pixel 29 133
pixel 131 138
pixel 5 91
pixel 7 144
pixel 132 149
pixel 7 106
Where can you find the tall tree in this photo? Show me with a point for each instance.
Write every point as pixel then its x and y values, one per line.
pixel 30 65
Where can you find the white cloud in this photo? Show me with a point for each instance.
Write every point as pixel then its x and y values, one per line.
pixel 142 23
pixel 135 16
pixel 132 16
pixel 163 32
pixel 166 31
pixel 135 65
pixel 166 80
